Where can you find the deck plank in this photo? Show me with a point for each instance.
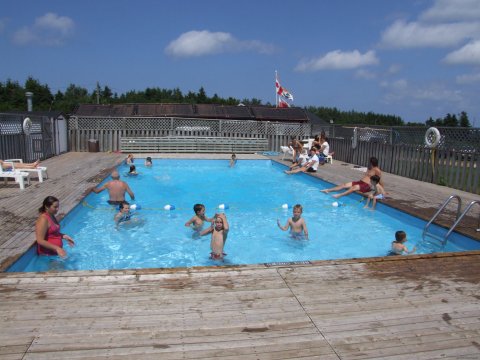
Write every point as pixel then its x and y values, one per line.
pixel 415 307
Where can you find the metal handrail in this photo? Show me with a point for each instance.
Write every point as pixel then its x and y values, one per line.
pixel 450 198
pixel 460 218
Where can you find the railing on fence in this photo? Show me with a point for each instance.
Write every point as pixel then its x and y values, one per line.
pixel 455 169
pixel 400 150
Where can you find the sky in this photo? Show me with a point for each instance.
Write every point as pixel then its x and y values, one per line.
pixel 412 58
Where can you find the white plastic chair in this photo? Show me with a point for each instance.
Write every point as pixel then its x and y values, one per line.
pixel 17 175
pixel 329 158
pixel 39 170
pixel 286 150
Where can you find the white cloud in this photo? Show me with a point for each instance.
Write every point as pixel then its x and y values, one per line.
pixel 339 60
pixel 365 74
pixel 49 30
pixel 401 90
pixel 3 24
pixel 448 10
pixel 414 34
pixel 200 43
pixel 394 68
pixel 468 54
pixel 468 78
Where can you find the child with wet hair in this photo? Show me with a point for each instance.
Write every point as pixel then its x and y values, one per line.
pixel 377 194
pixel 197 221
pixel 398 246
pixel 296 223
pixel 219 231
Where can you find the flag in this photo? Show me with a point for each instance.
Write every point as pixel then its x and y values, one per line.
pixel 286 94
pixel 282 91
pixel 283 104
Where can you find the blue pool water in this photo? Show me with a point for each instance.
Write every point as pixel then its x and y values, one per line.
pixel 254 191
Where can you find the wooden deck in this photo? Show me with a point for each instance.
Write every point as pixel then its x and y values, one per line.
pixel 406 308
pixel 412 307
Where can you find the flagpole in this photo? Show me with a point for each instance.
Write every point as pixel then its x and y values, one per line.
pixel 276 94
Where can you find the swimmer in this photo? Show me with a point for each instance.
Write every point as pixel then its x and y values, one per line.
pixel 219 231
pixel 148 161
pixel 196 222
pixel 296 223
pixel 130 159
pixel 398 245
pixel 233 160
pixel 133 171
pixel 124 213
pixel 125 216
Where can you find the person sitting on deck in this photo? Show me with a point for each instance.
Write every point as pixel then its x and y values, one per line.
pixel 310 166
pixel 362 185
pixel 377 194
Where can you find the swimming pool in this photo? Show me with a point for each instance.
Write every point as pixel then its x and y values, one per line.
pixel 254 191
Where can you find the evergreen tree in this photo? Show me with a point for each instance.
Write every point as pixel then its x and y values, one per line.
pixel 464 122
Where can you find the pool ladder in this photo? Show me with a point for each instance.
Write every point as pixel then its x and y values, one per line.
pixel 443 239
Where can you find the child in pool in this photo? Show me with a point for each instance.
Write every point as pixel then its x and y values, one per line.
pixel 196 222
pixel 148 161
pixel 377 194
pixel 296 223
pixel 219 231
pixel 233 160
pixel 130 159
pixel 123 214
pixel 133 170
pixel 398 246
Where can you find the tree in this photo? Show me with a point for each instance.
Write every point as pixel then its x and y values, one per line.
pixel 464 122
pixel 42 97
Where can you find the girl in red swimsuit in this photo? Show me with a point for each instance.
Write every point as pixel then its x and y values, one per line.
pixel 47 230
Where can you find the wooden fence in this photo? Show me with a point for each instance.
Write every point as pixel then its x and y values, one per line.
pixel 109 140
pixel 455 169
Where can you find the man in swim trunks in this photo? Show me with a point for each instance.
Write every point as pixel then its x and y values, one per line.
pixel 362 185
pixel 116 189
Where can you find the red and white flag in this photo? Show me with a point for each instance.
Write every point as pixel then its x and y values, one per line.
pixel 283 104
pixel 281 91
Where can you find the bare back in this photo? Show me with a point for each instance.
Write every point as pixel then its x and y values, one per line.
pixel 117 189
pixel 370 172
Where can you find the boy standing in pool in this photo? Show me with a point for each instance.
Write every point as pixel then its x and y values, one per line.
pixel 219 231
pixel 398 246
pixel 233 160
pixel 196 222
pixel 296 223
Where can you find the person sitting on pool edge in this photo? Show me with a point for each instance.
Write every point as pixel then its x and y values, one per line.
pixel 116 189
pixel 219 231
pixel 197 221
pixel 362 185
pixel 398 245
pixel 310 166
pixel 377 194
pixel 297 225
